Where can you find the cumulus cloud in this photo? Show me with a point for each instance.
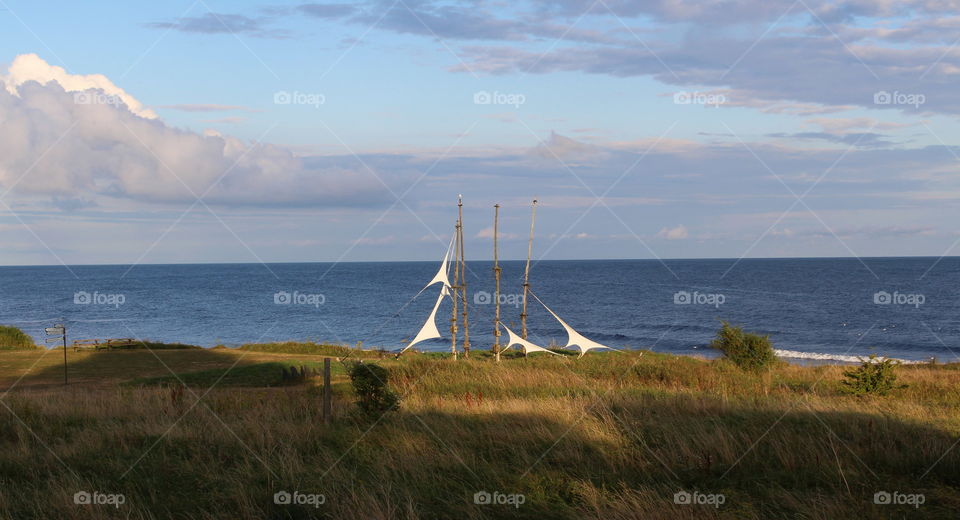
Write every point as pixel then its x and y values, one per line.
pixel 30 67
pixel 53 144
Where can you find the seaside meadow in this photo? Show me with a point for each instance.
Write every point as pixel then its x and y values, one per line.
pixel 155 432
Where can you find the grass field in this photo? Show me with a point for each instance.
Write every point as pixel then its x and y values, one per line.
pixel 612 435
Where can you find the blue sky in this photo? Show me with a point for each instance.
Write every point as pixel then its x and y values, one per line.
pixel 812 129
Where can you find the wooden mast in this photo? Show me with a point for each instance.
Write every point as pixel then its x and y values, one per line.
pixel 453 293
pixel 526 274
pixel 463 282
pixel 496 276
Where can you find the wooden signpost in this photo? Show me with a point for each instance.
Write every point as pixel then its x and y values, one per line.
pixel 59 332
pixel 327 392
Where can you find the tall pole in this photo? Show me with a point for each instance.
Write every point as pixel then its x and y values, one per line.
pixel 463 283
pixel 64 354
pixel 496 276
pixel 526 274
pixel 327 392
pixel 453 291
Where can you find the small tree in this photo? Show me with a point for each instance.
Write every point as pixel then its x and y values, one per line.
pixel 873 376
pixel 370 384
pixel 748 351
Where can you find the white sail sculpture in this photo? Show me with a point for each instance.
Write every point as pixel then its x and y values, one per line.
pixel 429 329
pixel 441 275
pixel 526 346
pixel 574 338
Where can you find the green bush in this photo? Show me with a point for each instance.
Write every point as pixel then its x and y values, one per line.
pixel 747 351
pixel 12 338
pixel 374 397
pixel 871 377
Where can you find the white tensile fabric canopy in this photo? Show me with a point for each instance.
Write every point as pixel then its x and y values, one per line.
pixel 527 346
pixel 574 338
pixel 441 275
pixel 429 329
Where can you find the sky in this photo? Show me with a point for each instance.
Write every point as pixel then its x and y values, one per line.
pixel 243 131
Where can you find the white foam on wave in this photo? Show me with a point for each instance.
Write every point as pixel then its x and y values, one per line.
pixel 836 357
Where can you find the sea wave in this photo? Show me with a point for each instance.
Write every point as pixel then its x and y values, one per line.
pixel 794 354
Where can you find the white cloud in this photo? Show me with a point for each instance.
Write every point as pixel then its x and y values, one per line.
pixel 52 145
pixel 30 67
pixel 676 233
pixel 501 235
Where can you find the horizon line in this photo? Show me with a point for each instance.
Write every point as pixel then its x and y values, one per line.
pixel 942 257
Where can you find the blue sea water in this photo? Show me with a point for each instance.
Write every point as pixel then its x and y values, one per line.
pixel 827 308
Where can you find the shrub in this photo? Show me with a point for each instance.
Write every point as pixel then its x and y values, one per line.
pixel 873 376
pixel 12 338
pixel 747 351
pixel 370 385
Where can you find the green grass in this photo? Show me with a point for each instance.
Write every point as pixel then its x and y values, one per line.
pixel 610 435
pixel 12 338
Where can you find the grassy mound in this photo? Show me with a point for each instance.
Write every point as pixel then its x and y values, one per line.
pixel 12 338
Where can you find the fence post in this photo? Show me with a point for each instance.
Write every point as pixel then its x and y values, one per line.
pixel 327 409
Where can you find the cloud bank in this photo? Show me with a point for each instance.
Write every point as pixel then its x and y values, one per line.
pixel 78 137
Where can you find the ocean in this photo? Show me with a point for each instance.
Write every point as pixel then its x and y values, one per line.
pixel 830 309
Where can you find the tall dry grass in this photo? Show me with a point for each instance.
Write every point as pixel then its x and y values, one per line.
pixel 607 436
